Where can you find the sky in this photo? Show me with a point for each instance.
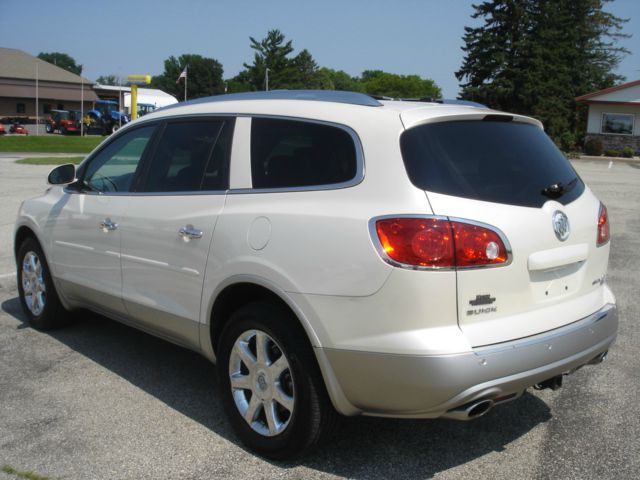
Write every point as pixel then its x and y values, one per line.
pixel 135 37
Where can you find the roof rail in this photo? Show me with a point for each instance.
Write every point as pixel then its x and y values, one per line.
pixel 336 96
pixel 447 101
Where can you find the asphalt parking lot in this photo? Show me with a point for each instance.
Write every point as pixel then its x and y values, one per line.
pixel 99 400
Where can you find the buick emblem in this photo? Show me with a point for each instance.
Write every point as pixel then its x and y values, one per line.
pixel 560 225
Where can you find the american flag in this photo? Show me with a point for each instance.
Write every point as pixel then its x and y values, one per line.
pixel 182 75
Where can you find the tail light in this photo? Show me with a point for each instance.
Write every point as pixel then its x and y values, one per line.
pixel 440 243
pixel 603 226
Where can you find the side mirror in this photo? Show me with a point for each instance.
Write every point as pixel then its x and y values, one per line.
pixel 62 175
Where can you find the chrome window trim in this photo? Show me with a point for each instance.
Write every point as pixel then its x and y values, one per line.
pixel 379 248
pixel 142 124
pixel 356 180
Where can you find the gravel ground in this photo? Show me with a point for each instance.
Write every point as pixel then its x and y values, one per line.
pixel 99 400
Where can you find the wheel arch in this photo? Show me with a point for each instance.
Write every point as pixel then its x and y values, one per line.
pixel 246 289
pixel 22 233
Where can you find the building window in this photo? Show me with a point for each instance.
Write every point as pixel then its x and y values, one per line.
pixel 46 108
pixel 617 123
pixel 60 106
pixel 21 108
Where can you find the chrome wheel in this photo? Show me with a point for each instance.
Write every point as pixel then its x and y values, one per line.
pixel 33 284
pixel 261 382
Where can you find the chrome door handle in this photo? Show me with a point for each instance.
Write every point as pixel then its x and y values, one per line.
pixel 188 232
pixel 107 225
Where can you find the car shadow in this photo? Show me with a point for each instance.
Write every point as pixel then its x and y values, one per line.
pixel 364 447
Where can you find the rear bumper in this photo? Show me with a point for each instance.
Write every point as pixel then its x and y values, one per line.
pixel 415 386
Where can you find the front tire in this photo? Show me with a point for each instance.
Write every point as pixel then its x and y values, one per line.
pixel 271 386
pixel 38 295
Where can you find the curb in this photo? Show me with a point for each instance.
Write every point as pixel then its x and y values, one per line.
pixel 607 159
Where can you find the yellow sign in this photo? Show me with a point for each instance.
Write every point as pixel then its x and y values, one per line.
pixel 139 79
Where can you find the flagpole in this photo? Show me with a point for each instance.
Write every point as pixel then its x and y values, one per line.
pixel 37 116
pixel 81 103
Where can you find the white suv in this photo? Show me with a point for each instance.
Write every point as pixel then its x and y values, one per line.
pixel 333 253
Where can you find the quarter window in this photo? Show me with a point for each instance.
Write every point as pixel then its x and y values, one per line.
pixel 288 153
pixel 191 156
pixel 618 123
pixel 113 168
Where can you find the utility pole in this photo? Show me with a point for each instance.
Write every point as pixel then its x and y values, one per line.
pixel 266 79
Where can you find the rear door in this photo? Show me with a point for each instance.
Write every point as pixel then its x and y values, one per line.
pixel 169 223
pixel 509 174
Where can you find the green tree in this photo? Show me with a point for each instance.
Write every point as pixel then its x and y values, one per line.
pixel 204 76
pixel 341 80
pixel 61 60
pixel 536 56
pixel 304 73
pixel 377 82
pixel 272 52
pixel 109 80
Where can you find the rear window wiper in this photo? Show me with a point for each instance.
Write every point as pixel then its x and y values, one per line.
pixel 556 190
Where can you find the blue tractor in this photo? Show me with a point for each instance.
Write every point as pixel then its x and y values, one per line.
pixel 106 117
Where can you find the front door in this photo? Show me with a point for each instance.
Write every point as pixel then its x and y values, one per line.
pixel 86 231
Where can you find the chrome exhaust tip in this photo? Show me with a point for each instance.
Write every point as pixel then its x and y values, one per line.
pixel 470 411
pixel 599 358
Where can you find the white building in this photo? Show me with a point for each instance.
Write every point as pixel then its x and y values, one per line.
pixel 614 116
pixel 122 95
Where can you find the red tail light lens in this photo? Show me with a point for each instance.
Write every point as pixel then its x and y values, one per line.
pixel 436 242
pixel 477 245
pixel 423 242
pixel 603 226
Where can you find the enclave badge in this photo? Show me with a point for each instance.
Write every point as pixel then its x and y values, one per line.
pixel 560 225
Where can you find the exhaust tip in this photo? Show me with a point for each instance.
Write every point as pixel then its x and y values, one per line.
pixel 471 410
pixel 598 358
pixel 480 408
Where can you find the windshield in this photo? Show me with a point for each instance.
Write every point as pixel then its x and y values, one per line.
pixel 494 161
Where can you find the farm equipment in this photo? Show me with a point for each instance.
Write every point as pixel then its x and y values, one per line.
pixel 105 118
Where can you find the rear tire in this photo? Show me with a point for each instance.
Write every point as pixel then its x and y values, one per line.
pixel 38 296
pixel 277 402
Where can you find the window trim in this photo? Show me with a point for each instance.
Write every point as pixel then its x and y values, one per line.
pixel 139 181
pixel 633 123
pixel 80 171
pixel 356 180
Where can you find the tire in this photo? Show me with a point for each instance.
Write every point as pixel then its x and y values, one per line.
pixel 48 128
pixel 63 131
pixel 38 296
pixel 114 128
pixel 291 389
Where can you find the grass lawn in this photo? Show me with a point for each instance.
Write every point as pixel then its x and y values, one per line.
pixel 50 160
pixel 49 143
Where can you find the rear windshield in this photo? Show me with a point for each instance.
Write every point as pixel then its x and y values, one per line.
pixel 493 161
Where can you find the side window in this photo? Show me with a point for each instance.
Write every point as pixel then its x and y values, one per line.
pixel 289 153
pixel 191 156
pixel 113 168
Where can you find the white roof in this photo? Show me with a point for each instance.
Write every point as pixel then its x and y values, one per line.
pixel 407 112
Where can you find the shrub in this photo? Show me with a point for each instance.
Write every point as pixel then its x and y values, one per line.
pixel 566 141
pixel 612 153
pixel 594 147
pixel 627 152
